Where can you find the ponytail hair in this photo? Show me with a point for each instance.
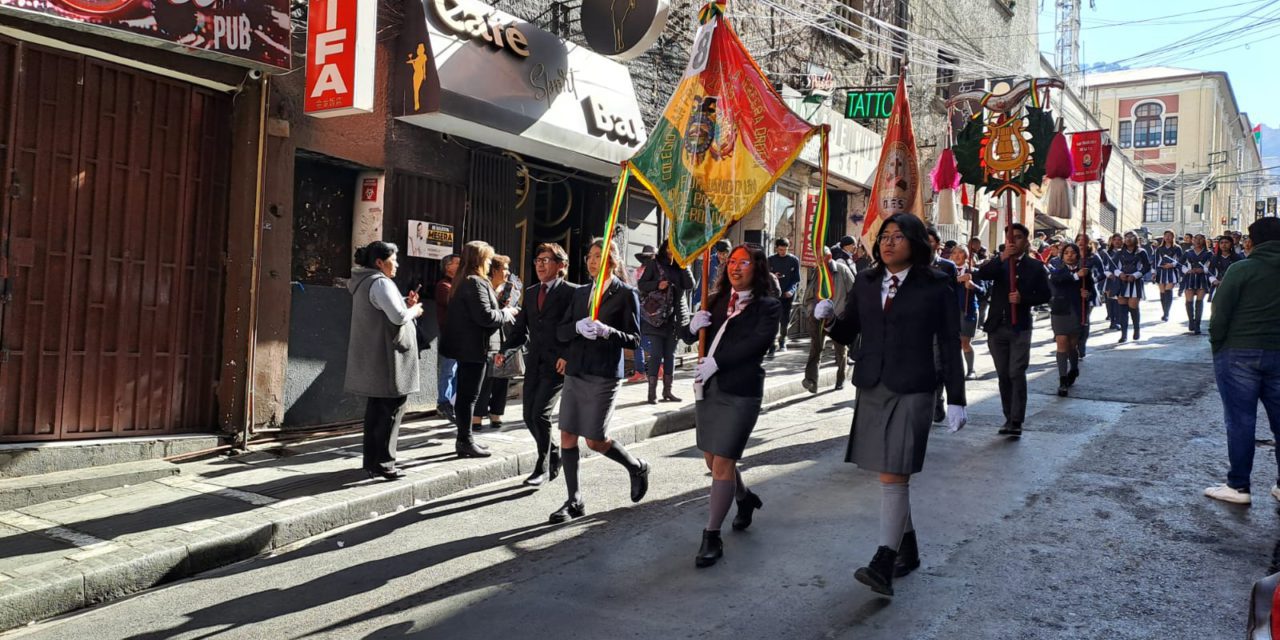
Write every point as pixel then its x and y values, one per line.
pixel 369 255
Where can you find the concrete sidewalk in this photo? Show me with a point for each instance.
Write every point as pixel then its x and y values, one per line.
pixel 63 555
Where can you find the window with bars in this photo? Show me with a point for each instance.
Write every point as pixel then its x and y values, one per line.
pixel 1146 127
pixel 1126 134
pixel 1151 210
pixel 946 72
pixel 1171 131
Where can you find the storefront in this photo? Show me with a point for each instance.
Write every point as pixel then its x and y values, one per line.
pixel 507 134
pixel 130 165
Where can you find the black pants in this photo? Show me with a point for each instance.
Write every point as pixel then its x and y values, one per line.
pixel 1011 352
pixel 381 430
pixel 659 349
pixel 784 322
pixel 540 394
pixel 470 379
pixel 493 397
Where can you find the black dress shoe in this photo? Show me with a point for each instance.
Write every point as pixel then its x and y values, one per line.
pixel 471 449
pixel 1062 387
pixel 1015 429
pixel 1005 429
pixel 667 396
pixel 879 574
pixel 640 482
pixel 446 410
pixel 536 479
pixel 394 474
pixel 553 466
pixel 746 507
pixel 568 511
pixel 908 556
pixel 712 549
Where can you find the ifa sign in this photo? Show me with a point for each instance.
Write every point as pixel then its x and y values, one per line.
pixel 340 57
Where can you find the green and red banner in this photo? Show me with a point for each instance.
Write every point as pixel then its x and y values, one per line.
pixel 724 138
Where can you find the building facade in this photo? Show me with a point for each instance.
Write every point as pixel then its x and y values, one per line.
pixel 1186 133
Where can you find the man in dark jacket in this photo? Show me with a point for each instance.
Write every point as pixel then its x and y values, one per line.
pixel 535 328
pixel 1009 319
pixel 786 268
pixel 1245 336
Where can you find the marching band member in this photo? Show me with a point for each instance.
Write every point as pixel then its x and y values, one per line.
pixel 1168 265
pixel 1196 265
pixel 1132 266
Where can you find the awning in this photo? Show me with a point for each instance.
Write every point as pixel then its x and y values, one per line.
pixel 1044 221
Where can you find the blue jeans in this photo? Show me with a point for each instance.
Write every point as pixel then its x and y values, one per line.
pixel 1244 377
pixel 447 369
pixel 644 346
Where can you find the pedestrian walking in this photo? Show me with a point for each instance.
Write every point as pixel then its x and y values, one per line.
pixel 382 353
pixel 905 310
pixel 1196 266
pixel 493 391
pixel 664 315
pixel 1225 256
pixel 446 367
pixel 1168 266
pixel 471 337
pixel 1245 338
pixel 978 257
pixel 1018 283
pixel 1092 260
pixel 593 371
pixel 786 268
pixel 639 366
pixel 970 294
pixel 1070 281
pixel 741 320
pixel 536 330
pixel 841 283
pixel 1132 267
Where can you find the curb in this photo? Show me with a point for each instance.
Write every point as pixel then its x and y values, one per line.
pixel 114 575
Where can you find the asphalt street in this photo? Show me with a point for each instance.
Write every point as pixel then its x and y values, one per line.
pixel 1090 526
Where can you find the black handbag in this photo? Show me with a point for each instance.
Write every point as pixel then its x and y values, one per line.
pixel 512 364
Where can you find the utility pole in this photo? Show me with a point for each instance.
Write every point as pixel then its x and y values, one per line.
pixel 1068 45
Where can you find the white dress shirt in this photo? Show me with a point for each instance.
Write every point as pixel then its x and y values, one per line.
pixel 884 284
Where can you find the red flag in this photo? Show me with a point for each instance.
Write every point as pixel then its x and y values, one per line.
pixel 897 183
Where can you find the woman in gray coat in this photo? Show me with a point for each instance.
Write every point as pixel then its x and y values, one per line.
pixel 382 354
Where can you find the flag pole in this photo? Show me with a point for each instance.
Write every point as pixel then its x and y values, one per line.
pixel 606 250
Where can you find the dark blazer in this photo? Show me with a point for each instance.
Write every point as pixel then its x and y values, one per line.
pixel 471 333
pixel 745 342
pixel 620 309
pixel 897 348
pixel 1033 285
pixel 1066 289
pixel 537 328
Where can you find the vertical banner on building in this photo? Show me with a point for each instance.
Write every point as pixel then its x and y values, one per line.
pixel 897 183
pixel 340 57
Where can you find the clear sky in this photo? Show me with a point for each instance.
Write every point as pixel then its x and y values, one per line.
pixel 1245 41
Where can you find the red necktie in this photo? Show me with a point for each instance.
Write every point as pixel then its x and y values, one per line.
pixel 733 305
pixel 542 296
pixel 893 291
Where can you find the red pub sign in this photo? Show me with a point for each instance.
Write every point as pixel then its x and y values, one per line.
pixel 340 57
pixel 243 31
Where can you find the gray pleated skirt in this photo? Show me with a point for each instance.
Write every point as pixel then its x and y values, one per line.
pixel 586 405
pixel 1066 324
pixel 890 430
pixel 725 421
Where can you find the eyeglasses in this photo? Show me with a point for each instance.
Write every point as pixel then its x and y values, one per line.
pixel 891 238
pixel 546 260
pixel 736 264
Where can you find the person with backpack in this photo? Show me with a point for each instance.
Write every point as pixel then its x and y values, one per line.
pixel 664 316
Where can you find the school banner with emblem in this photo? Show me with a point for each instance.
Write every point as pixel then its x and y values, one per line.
pixel 896 188
pixel 724 138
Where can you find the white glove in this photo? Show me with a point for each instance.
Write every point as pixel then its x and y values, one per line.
pixel 957 417
pixel 705 370
pixel 509 315
pixel 586 328
pixel 1137 275
pixel 603 330
pixel 824 309
pixel 701 320
pixel 1213 280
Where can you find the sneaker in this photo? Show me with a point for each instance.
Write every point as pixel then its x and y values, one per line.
pixel 1227 494
pixel 637 377
pixel 1275 492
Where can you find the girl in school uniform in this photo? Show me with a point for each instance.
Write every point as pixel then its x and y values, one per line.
pixel 1111 285
pixel 1223 258
pixel 901 308
pixel 741 320
pixel 1132 266
pixel 1167 263
pixel 1196 265
pixel 1070 281
pixel 593 371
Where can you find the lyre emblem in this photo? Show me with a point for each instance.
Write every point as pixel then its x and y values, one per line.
pixel 1006 150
